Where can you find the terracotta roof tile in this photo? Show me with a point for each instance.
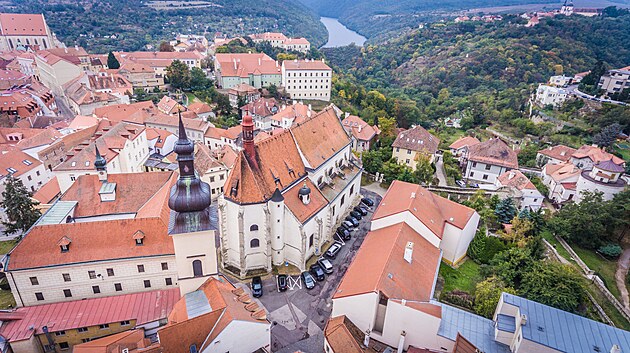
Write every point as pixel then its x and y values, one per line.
pixel 298 112
pixel 562 171
pixel 22 24
pixel 200 108
pixel 305 65
pixel 16 163
pixel 301 211
pixel 263 107
pixel 359 128
pixel 173 121
pixel 236 65
pixel 417 139
pixel 48 192
pixel 344 337
pixel 464 141
pixel 559 152
pixel 120 112
pixel 494 151
pixel 596 154
pixel 514 178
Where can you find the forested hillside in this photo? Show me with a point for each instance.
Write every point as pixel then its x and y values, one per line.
pixel 91 23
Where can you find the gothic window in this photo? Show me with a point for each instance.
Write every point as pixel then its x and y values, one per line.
pixel 254 243
pixel 197 269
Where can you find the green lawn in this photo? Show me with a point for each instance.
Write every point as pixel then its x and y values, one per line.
pixel 464 278
pixel 6 246
pixel 191 98
pixel 612 312
pixel 6 299
pixel 624 150
pixel 604 268
pixel 561 250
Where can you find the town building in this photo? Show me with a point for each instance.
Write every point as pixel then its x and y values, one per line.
pixel 257 69
pixel 287 116
pixel 160 60
pixel 170 106
pixel 190 42
pixel 603 176
pixel 141 76
pixel 524 191
pixel 195 128
pixel 87 92
pixel 554 155
pixel 131 341
pixel 550 95
pixel 286 193
pixel 279 40
pixel 19 165
pixel 363 134
pixel 244 92
pixel 412 144
pixel 161 141
pixel 561 180
pixel 65 326
pixel 461 146
pixel 307 79
pixel 203 111
pixel 587 156
pixel 261 111
pixel 27 101
pixel 130 113
pixel 560 80
pixel 216 138
pixel 489 159
pixel 210 169
pixel 11 78
pixel 21 31
pixel 75 55
pixel 615 81
pixel 54 71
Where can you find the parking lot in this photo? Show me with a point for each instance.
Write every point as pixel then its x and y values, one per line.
pixel 299 315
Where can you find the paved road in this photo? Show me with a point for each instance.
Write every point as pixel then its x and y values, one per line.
pixel 300 315
pixel 439 171
pixel 620 276
pixel 573 89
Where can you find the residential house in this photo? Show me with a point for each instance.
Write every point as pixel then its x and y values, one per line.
pixel 75 55
pixel 11 78
pixel 159 61
pixel 603 176
pixel 210 169
pixel 561 180
pixel 217 138
pixel 54 71
pixel 282 210
pixel 20 31
pixel 195 128
pixel 550 96
pixel 169 106
pixel 190 42
pixel 307 79
pixel 90 91
pixel 261 111
pixel 489 159
pixel 288 115
pixel 554 155
pixel 279 40
pixel 24 167
pixel 141 76
pixel 560 80
pixel 615 81
pixel 255 69
pixel 131 341
pixel 587 156
pixel 203 111
pixel 413 144
pixel 243 91
pixel 27 101
pixel 462 145
pixel 65 326
pixel 523 190
pixel 161 141
pixel 131 113
pixel 363 134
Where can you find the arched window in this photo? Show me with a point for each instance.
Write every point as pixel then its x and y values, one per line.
pixel 254 243
pixel 253 227
pixel 197 268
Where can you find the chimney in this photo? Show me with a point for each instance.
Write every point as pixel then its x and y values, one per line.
pixel 76 47
pixel 366 339
pixel 408 252
pixel 401 342
pixel 235 67
pixel 259 61
pixel 360 126
pixel 511 175
pixel 563 153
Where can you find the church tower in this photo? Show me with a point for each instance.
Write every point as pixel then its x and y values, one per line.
pixel 192 221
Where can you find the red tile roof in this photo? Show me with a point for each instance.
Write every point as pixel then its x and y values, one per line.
pixel 596 155
pixel 464 141
pixel 242 65
pixel 121 112
pixel 359 128
pixel 262 107
pixel 48 192
pixel 379 266
pixel 559 152
pixel 514 178
pixel 173 121
pixel 344 337
pixel 562 171
pixel 143 307
pixel 298 111
pixel 417 139
pixel 432 210
pixel 200 108
pixel 301 211
pixel 305 65
pixel 495 152
pixel 16 163
pixel 133 340
pixel 13 24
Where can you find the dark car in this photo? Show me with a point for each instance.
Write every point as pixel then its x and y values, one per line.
pixel 282 283
pixel 326 265
pixel 333 250
pixel 317 272
pixel 361 210
pixel 343 233
pixel 367 201
pixel 348 225
pixel 309 281
pixel 257 288
pixel 354 221
pixel 356 215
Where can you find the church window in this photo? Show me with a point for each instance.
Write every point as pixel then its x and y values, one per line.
pixel 253 227
pixel 197 268
pixel 254 243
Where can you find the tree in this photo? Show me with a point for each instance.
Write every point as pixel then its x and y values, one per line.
pixel 487 295
pixel 178 75
pixel 511 265
pixel 112 62
pixel 198 79
pixel 477 245
pixel 554 284
pixel 520 232
pixel 424 170
pixel 19 207
pixel 505 210
pixel 607 135
pixel 166 46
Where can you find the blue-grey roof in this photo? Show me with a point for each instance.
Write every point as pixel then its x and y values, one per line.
pixel 58 213
pixel 197 304
pixel 477 329
pixel 506 323
pixel 565 331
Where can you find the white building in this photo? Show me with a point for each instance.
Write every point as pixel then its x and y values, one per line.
pixel 604 177
pixel 20 165
pixel 525 192
pixel 615 81
pixel 460 147
pixel 279 40
pixel 560 80
pixel 554 155
pixel 363 134
pixel 307 79
pixel 489 159
pixel 286 194
pixel 550 95
pixel 25 30
pixel 561 180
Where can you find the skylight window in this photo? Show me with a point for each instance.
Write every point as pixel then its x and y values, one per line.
pixel 11 170
pixel 27 162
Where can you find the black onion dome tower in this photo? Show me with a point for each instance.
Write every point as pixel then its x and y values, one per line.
pixel 190 197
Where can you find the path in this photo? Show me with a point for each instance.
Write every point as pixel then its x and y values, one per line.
pixel 620 276
pixel 439 171
pixel 375 188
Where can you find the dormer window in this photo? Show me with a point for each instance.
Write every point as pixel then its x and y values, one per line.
pixel 139 238
pixel 64 244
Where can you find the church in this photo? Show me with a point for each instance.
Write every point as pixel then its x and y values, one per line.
pixel 286 194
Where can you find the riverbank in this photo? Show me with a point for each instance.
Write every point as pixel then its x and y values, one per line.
pixel 340 35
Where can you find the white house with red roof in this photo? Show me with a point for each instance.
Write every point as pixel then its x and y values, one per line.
pixel 523 190
pixel 460 147
pixel 561 180
pixel 363 134
pixel 604 177
pixel 489 159
pixel 554 155
pixel 25 30
pixel 307 79
pixel 279 40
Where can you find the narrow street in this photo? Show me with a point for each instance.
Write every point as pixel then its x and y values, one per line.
pixel 439 171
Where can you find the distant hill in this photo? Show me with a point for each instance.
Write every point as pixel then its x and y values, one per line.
pixel 91 23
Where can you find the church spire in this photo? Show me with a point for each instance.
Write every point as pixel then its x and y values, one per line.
pixel 185 149
pixel 248 138
pixel 100 163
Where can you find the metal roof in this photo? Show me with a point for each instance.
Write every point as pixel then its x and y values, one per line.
pixel 197 304
pixel 57 213
pixel 107 188
pixel 476 329
pixel 506 323
pixel 564 331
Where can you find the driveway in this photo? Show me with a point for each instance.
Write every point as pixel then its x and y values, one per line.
pixel 439 171
pixel 299 315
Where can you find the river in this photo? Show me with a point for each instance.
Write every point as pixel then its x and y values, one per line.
pixel 340 35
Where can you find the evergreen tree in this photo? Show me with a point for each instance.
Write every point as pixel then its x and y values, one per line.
pixel 477 245
pixel 112 62
pixel 19 207
pixel 505 210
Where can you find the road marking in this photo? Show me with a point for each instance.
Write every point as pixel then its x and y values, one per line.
pixel 294 282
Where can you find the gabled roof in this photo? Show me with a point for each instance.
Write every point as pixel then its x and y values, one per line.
pixel 495 152
pixel 359 128
pixel 432 210
pixel 305 64
pixel 343 336
pixel 16 163
pixel 297 111
pixel 417 139
pixel 240 65
pixel 562 171
pixel 173 121
pixel 262 106
pixel 301 211
pixel 596 155
pixel 516 179
pixel 14 24
pixel 143 307
pixel 121 112
pixel 199 108
pixel 559 152
pixel 465 141
pixel 379 266
pixel 48 192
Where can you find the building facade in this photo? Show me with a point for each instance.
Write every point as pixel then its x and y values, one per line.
pixel 25 31
pixel 487 160
pixel 412 144
pixel 307 79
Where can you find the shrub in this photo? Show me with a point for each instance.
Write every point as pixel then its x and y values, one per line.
pixel 612 251
pixel 493 246
pixel 459 298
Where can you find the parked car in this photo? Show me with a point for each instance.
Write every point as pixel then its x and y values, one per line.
pixel 309 281
pixel 460 183
pixel 348 225
pixel 354 221
pixel 473 185
pixel 282 283
pixel 367 201
pixel 361 210
pixel 317 272
pixel 343 233
pixel 326 265
pixel 333 250
pixel 257 288
pixel 356 215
